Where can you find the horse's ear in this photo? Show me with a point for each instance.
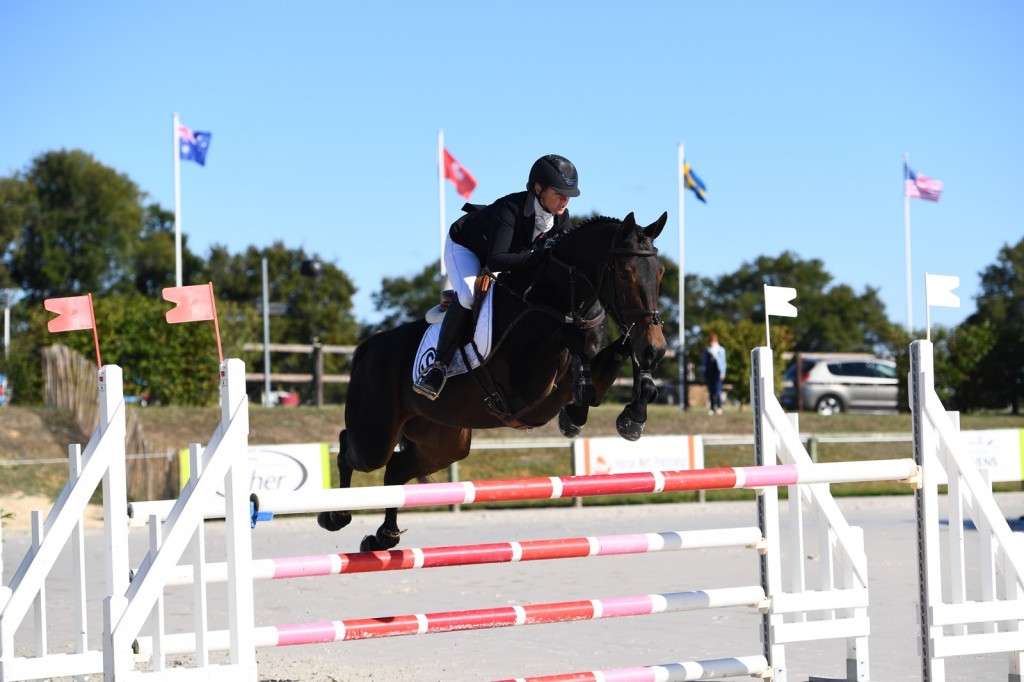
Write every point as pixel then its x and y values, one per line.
pixel 629 220
pixel 655 228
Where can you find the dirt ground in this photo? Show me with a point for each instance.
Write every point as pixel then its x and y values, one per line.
pixel 16 512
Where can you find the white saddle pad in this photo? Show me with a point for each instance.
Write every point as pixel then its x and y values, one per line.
pixel 481 337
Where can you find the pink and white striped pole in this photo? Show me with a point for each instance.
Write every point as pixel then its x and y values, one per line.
pixel 471 555
pixel 712 669
pixel 475 619
pixel 556 487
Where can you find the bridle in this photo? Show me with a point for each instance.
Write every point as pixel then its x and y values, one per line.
pixel 625 318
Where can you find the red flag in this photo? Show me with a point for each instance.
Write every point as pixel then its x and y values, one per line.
pixel 457 173
pixel 73 313
pixel 194 303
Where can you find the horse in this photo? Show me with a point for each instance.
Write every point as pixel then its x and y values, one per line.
pixel 546 317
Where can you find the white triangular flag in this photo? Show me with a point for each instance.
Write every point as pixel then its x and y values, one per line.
pixel 777 301
pixel 939 290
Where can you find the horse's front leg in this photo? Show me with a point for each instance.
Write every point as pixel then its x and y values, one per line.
pixel 631 421
pixel 336 520
pixel 604 370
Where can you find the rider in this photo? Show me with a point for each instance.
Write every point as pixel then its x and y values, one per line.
pixel 508 235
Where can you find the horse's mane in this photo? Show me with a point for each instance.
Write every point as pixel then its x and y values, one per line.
pixel 598 219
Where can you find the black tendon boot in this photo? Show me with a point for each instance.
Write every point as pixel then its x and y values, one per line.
pixel 430 382
pixel 582 389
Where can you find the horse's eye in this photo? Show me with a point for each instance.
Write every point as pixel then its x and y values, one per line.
pixel 623 273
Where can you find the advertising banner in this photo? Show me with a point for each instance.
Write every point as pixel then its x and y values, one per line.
pixel 1000 451
pixel 614 455
pixel 280 468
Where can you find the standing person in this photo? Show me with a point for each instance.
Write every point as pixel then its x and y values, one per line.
pixel 713 366
pixel 508 235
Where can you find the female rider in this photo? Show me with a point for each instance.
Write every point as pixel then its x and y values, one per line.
pixel 505 236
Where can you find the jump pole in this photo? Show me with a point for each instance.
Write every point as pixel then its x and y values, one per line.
pixel 476 619
pixel 310 566
pixel 557 487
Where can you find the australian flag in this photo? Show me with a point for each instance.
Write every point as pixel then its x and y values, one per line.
pixel 192 146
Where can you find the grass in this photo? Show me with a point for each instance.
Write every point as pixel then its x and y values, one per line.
pixel 172 428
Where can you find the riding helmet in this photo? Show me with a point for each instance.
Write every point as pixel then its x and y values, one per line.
pixel 556 172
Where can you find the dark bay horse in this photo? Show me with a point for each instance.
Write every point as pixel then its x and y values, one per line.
pixel 542 317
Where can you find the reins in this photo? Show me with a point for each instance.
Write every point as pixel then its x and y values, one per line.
pixel 575 316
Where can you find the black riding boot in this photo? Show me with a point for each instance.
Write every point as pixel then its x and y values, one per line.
pixel 431 380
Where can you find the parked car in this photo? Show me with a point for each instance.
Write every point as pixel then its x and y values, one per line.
pixel 836 385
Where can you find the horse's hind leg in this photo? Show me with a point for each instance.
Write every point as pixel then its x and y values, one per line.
pixel 336 520
pixel 440 447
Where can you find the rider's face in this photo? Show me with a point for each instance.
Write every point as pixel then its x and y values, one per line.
pixel 553 202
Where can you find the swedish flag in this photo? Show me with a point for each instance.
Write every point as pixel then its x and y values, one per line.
pixel 695 183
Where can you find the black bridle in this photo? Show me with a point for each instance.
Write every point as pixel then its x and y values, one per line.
pixel 577 312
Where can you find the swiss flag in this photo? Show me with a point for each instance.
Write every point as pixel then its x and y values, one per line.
pixel 457 173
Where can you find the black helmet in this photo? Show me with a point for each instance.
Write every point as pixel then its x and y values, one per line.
pixel 556 172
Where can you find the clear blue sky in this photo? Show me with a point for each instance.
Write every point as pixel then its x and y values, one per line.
pixel 325 117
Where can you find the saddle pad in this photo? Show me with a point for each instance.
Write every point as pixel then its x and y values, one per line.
pixel 481 337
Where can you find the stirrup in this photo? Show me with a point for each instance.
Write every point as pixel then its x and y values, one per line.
pixel 429 384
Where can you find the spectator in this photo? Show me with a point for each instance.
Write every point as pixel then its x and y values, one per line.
pixel 713 366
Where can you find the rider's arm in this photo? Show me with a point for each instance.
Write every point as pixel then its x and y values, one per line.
pixel 500 258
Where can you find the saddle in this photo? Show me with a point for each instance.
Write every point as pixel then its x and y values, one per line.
pixel 483 284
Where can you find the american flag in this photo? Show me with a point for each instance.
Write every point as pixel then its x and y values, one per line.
pixel 921 186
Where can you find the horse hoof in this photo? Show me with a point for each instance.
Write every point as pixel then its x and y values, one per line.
pixel 629 429
pixel 568 428
pixel 384 539
pixel 333 521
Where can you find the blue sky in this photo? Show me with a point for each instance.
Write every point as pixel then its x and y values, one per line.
pixel 325 118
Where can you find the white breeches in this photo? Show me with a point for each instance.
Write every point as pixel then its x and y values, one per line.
pixel 463 268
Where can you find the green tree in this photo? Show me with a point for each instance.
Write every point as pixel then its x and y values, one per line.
pixel 319 306
pixel 153 264
pixel 832 318
pixel 999 378
pixel 403 299
pixel 75 224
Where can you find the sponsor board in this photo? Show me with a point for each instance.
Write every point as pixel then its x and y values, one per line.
pixel 613 455
pixel 280 468
pixel 1000 451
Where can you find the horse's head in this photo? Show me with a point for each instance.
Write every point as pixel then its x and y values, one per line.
pixel 615 263
pixel 630 289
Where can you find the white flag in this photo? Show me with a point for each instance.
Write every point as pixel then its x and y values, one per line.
pixel 777 301
pixel 939 290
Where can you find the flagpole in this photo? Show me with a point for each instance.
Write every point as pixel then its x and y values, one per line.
pixel 682 286
pixel 927 311
pixel 440 197
pixel 177 201
pixel 906 239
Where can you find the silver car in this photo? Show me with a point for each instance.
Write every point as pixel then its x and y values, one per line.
pixel 835 385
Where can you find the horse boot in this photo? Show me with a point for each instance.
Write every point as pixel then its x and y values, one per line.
pixel 430 382
pixel 582 389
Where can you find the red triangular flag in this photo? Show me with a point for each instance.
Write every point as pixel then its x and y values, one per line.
pixel 194 303
pixel 74 312
pixel 457 173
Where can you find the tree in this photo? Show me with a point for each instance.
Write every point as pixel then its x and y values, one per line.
pixel 74 225
pixel 318 306
pixel 999 379
pixel 153 261
pixel 404 300
pixel 835 319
